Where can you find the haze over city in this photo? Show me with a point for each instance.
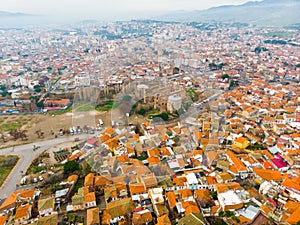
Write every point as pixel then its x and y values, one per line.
pixel 108 10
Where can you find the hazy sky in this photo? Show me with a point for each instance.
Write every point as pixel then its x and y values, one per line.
pixel 90 9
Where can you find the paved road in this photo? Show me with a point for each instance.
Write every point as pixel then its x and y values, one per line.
pixel 27 154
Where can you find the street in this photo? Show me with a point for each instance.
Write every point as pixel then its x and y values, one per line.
pixel 26 154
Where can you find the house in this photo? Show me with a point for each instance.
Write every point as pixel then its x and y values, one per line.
pixel 171 199
pixel 237 167
pixel 92 216
pixel 46 206
pixel 225 177
pixel 211 158
pixel 192 181
pixel 204 201
pixel 47 220
pixel 142 217
pixel 84 199
pixel 17 197
pixel 23 213
pixel 291 186
pixel 57 103
pixel 91 181
pixel 267 175
pixel 250 212
pixel 91 142
pixel 241 142
pixel 229 200
pixel 156 195
pixel 119 208
pixel 2 220
pixel 294 218
pixel 149 180
pixel 163 220
pixel 138 188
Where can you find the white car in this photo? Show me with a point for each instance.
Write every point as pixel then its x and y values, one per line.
pixel 23 180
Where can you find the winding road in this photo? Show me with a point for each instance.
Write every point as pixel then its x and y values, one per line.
pixel 26 154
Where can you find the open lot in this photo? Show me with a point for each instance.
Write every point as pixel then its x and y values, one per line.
pixel 48 124
pixel 7 163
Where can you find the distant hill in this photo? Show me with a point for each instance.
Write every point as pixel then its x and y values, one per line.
pixel 4 14
pixel 261 13
pixel 19 20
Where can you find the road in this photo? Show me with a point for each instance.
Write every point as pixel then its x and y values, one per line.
pixel 26 154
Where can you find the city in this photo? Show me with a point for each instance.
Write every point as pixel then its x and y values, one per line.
pixel 150 122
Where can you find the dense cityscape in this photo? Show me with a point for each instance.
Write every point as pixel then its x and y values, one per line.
pixel 150 122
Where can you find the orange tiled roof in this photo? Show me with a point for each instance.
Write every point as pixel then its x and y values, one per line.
pixel 291 206
pixel 22 211
pixel 104 138
pixel 163 220
pixel 190 207
pixel 202 194
pixel 14 196
pixel 110 131
pixel 171 199
pixel 236 161
pixel 73 178
pixel 89 197
pixel 153 152
pixel 292 183
pixel 268 174
pixel 295 217
pixel 2 220
pixel 123 158
pixel 102 180
pixel 92 216
pixel 63 101
pixel 153 160
pixel 185 193
pixel 89 180
pixel 240 140
pixel 165 151
pixel 179 181
pixel 137 188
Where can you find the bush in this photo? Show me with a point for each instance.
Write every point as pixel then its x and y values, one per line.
pixel 142 111
pixel 70 167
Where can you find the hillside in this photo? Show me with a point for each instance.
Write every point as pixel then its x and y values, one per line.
pixel 264 13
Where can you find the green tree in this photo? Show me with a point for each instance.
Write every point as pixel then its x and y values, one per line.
pixel 70 167
pixel 37 88
pixel 4 93
pixel 229 213
pixel 214 195
pixel 142 111
pixel 175 70
pixel 224 76
pixel 2 87
pixel 164 116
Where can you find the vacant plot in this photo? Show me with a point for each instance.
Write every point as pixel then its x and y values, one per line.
pixel 9 123
pixel 7 163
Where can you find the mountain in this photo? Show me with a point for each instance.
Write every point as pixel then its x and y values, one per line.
pixel 13 20
pixel 4 14
pixel 261 13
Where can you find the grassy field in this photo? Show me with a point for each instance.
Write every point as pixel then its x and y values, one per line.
pixel 7 163
pixel 10 123
pixel 106 106
pixel 60 112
